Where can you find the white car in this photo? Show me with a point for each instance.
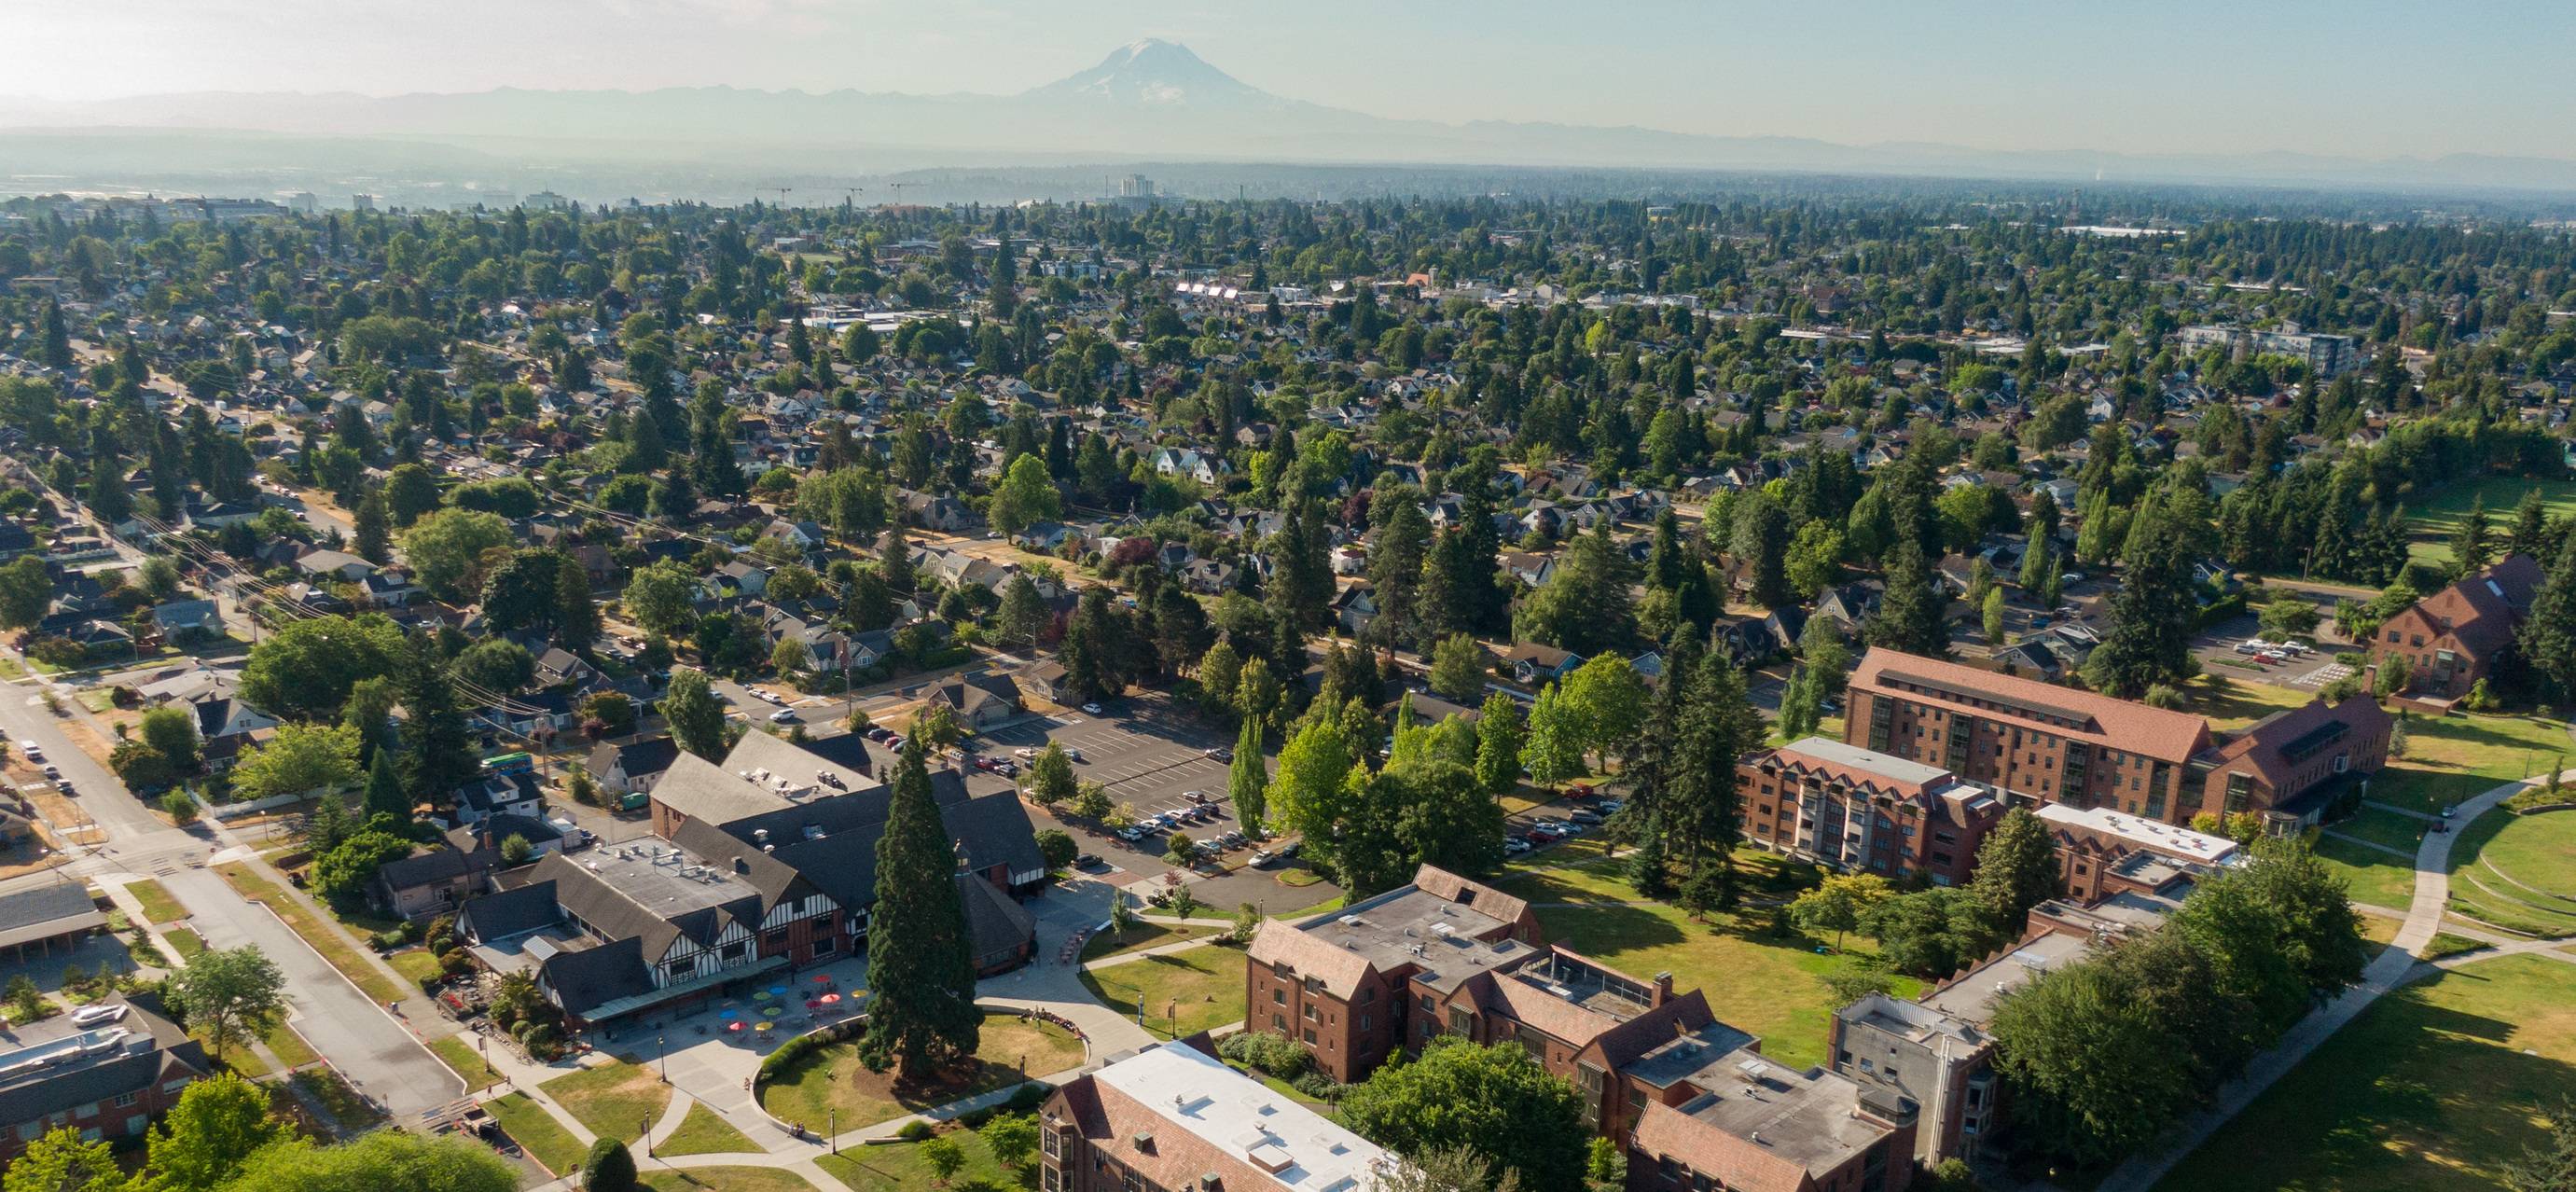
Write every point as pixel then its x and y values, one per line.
pixel 1024 752
pixel 1091 709
pixel 34 752
pixel 783 716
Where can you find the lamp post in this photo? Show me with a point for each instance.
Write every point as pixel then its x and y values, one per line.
pixel 832 1123
pixel 663 1044
pixel 644 1124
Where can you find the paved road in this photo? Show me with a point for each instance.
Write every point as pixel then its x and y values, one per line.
pixel 2394 966
pixel 369 1045
pixel 24 717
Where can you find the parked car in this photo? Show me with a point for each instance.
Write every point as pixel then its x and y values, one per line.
pixel 1073 754
pixel 33 751
pixel 1133 834
pixel 1222 755
pixel 1584 815
pixel 1514 846
pixel 783 716
pixel 1195 796
pixel 1024 752
pixel 1537 836
pixel 1087 861
pixel 1613 806
pixel 1091 709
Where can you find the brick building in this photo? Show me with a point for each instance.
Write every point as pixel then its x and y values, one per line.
pixel 2034 742
pixel 1172 1117
pixel 1859 810
pixel 2451 639
pixel 105 1070
pixel 1693 1098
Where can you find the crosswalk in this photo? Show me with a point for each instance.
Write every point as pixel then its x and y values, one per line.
pixel 2323 675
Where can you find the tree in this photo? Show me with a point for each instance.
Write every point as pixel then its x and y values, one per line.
pixel 2017 869
pixel 217 1125
pixel 921 1014
pixel 445 549
pixel 1552 751
pixel 1023 615
pixel 1839 904
pixel 381 1161
pixel 1026 496
pixel 697 720
pixel 2548 635
pixel 2152 611
pixel 609 1167
pixel 1815 558
pixel 1928 933
pixel 1498 745
pixel 306 669
pixel 2473 540
pixel 61 1161
pixel 1307 797
pixel 657 596
pixel 1057 847
pixel 1586 607
pixel 1051 777
pixel 300 758
pixel 1912 615
pixel 385 793
pixel 2057 1035
pixel 2550 1164
pixel 26 593
pixel 1993 616
pixel 374 526
pixel 1012 1137
pixel 496 664
pixel 342 875
pixel 438 749
pixel 171 733
pixel 1091 801
pixel 1607 699
pixel 1492 1100
pixel 1458 667
pixel 1247 779
pixel 229 995
pixel 944 1157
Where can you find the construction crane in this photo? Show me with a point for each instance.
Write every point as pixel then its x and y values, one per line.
pixel 783 192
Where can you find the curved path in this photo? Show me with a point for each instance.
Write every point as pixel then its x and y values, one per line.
pixel 2394 966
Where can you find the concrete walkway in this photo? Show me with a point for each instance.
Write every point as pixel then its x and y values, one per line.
pixel 2394 966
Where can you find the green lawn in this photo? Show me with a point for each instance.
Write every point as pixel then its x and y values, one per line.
pixel 537 1132
pixel 2436 1087
pixel 703 1132
pixel 1142 936
pixel 457 1052
pixel 899 1167
pixel 415 964
pixel 2451 758
pixel 1769 987
pixel 186 942
pixel 614 1100
pixel 2517 872
pixel 831 1080
pixel 292 1051
pixel 2383 828
pixel 158 905
pixel 2436 515
pixel 1197 990
pixel 721 1179
pixel 2374 876
pixel 2231 703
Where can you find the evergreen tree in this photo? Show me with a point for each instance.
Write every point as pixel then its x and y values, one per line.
pixel 711 465
pixel 922 1018
pixel 1912 615
pixel 2530 535
pixel 576 617
pixel 2152 612
pixel 2472 541
pixel 1248 780
pixel 374 529
pixel 2548 636
pixel 2016 870
pixel 438 750
pixel 384 792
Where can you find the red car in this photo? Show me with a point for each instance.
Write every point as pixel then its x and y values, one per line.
pixel 1536 837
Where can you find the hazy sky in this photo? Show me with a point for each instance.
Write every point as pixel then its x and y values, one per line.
pixel 2366 77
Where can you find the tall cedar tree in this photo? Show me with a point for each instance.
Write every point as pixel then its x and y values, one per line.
pixel 2016 870
pixel 921 1014
pixel 576 618
pixel 1912 615
pixel 2152 612
pixel 438 751
pixel 2549 634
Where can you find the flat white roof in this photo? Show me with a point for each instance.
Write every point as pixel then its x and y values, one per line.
pixel 1885 765
pixel 1234 1113
pixel 2145 833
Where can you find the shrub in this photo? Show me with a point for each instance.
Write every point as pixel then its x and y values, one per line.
pixel 608 1168
pixel 1318 1086
pixel 182 808
pixel 1029 1098
pixel 916 1130
pixel 1275 1054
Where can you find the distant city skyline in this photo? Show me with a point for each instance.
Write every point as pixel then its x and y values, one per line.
pixel 2368 78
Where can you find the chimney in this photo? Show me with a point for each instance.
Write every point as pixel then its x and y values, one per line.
pixel 1663 987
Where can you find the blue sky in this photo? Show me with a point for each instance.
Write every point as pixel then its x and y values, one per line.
pixel 2364 77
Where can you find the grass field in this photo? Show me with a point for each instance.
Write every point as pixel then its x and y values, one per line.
pixel 899 1167
pixel 721 1179
pixel 415 964
pixel 1141 936
pixel 2451 758
pixel 614 1100
pixel 703 1132
pixel 158 905
pixel 2436 1087
pixel 2518 872
pixel 186 942
pixel 325 938
pixel 2232 703
pixel 2382 827
pixel 2435 516
pixel 537 1132
pixel 831 1080
pixel 2373 876
pixel 1197 989
pixel 1770 987
pixel 457 1052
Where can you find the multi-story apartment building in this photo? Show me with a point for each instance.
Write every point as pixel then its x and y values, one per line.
pixel 2325 355
pixel 2034 742
pixel 105 1070
pixel 1173 1118
pixel 2452 638
pixel 1864 811
pixel 1694 1099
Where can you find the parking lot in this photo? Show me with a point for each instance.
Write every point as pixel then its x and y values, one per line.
pixel 1146 754
pixel 2309 669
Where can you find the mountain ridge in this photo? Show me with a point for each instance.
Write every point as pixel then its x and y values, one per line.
pixel 1158 98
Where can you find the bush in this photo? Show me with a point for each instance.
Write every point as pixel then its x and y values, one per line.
pixel 916 1130
pixel 1029 1098
pixel 608 1168
pixel 1277 1055
pixel 1319 1086
pixel 182 808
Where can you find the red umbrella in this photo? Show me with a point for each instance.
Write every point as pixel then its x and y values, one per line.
pixel 733 1026
pixel 829 999
pixel 822 978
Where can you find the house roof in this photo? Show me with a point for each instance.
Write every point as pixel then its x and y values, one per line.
pixel 53 1065
pixel 2276 746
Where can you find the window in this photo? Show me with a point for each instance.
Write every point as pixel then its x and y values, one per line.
pixel 825 944
pixel 124 1099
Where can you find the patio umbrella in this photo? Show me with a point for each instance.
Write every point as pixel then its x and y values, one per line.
pixel 760 995
pixel 771 1011
pixel 728 1015
pixel 822 978
pixel 829 998
pixel 764 1026
pixel 733 1026
pixel 813 1004
pixel 777 991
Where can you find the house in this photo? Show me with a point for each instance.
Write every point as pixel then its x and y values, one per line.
pixel 979 702
pixel 1044 681
pixel 2291 765
pixel 106 1073
pixel 188 620
pixel 333 565
pixel 431 882
pixel 558 667
pixel 632 767
pixel 1533 664
pixel 499 794
pixel 2451 639
pixel 46 915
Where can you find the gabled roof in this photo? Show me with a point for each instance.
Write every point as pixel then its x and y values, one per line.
pixel 2041 707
